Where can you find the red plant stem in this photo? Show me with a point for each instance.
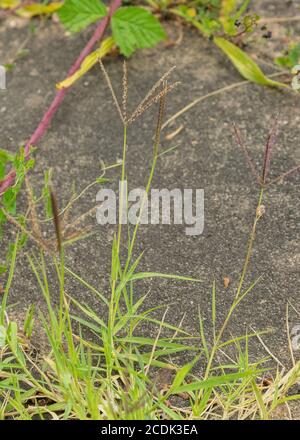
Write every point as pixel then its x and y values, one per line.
pixel 268 150
pixel 43 125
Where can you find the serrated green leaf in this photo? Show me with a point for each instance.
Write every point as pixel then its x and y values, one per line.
pixel 135 28
pixel 244 64
pixel 76 15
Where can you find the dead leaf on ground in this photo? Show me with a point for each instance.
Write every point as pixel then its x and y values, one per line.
pixel 226 282
pixel 174 133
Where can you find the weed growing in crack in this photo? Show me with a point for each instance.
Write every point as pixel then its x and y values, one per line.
pixel 103 366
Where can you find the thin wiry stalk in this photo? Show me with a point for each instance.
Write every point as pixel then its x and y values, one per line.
pixel 125 90
pixel 259 213
pixel 153 89
pixel 214 93
pixel 146 369
pixel 151 92
pixel 243 146
pixel 251 242
pixel 160 118
pixel 262 181
pixel 268 150
pixel 284 175
pixel 81 218
pixel 122 195
pixel 150 102
pixel 113 94
pixel 238 295
pixel 25 231
pixel 32 210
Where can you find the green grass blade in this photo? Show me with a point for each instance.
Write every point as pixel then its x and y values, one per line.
pixel 215 381
pixel 245 65
pixel 144 275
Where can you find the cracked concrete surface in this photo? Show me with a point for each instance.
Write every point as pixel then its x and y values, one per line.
pixel 86 130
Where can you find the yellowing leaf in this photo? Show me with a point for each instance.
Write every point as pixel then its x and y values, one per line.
pixel 228 7
pixel 232 10
pixel 88 63
pixel 39 9
pixel 191 12
pixel 244 64
pixel 9 4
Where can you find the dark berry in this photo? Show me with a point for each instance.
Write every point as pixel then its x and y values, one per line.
pixel 267 35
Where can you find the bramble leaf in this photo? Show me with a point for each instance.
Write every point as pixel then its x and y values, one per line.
pixel 76 15
pixel 135 28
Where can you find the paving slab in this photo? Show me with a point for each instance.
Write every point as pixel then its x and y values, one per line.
pixel 86 131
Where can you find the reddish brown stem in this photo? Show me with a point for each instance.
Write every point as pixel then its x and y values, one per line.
pixel 43 125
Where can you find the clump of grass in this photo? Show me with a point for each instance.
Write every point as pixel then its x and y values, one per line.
pixel 105 367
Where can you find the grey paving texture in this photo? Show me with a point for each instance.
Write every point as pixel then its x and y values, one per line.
pixel 86 130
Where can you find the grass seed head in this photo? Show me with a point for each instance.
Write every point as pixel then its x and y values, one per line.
pixel 125 90
pixel 56 219
pixel 268 150
pixel 140 110
pixel 113 94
